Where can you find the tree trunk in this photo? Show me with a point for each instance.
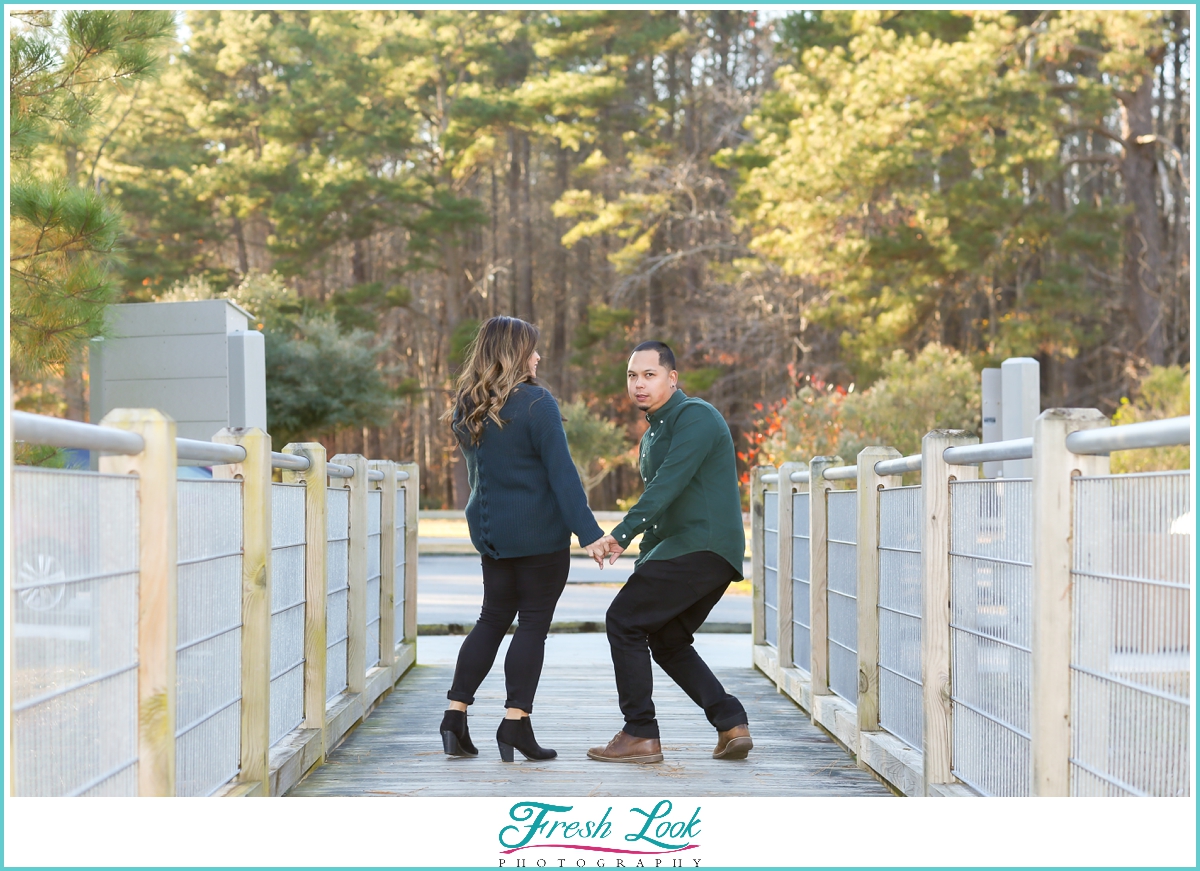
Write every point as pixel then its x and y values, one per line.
pixel 239 235
pixel 75 388
pixel 514 218
pixel 525 289
pixel 655 292
pixel 493 277
pixel 1143 231
pixel 358 261
pixel 558 345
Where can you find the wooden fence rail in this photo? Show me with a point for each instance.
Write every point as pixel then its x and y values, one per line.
pixel 1017 636
pixel 96 567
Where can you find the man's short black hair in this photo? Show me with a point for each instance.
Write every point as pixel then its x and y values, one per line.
pixel 666 357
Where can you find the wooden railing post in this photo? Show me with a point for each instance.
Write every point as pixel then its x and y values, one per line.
pixel 758 626
pixel 387 561
pixel 818 549
pixel 786 519
pixel 1053 522
pixel 412 505
pixel 869 485
pixel 255 474
pixel 936 475
pixel 315 583
pixel 158 562
pixel 356 598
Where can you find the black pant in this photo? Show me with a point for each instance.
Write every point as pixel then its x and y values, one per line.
pixel 528 586
pixel 655 614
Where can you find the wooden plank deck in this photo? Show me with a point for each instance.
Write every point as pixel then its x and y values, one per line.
pixel 397 750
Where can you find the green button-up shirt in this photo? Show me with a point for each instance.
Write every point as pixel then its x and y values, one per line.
pixel 692 501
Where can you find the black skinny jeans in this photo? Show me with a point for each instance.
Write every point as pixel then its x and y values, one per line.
pixel 655 614
pixel 528 586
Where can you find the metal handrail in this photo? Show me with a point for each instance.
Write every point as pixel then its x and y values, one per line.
pixel 59 433
pixel 899 466
pixel 969 455
pixel 840 473
pixel 211 452
pixel 1149 434
pixel 800 477
pixel 293 462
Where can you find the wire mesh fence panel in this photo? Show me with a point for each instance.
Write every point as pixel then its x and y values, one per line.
pixel 843 593
pixel 374 506
pixel 398 594
pixel 771 567
pixel 990 615
pixel 208 659
pixel 901 518
pixel 287 608
pixel 73 620
pixel 801 605
pixel 337 589
pixel 1131 647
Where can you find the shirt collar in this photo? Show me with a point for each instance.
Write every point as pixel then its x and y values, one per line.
pixel 677 397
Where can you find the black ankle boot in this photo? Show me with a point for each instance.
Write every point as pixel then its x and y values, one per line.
pixel 456 740
pixel 519 734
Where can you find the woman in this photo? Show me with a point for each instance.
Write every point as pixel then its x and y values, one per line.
pixel 526 500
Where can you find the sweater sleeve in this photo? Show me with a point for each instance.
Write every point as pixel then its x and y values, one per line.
pixel 550 441
pixel 691 440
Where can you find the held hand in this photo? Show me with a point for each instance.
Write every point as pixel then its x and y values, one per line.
pixel 597 550
pixel 614 549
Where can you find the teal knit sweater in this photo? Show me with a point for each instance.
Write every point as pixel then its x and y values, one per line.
pixel 526 496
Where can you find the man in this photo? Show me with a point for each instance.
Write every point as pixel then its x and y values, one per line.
pixel 690 517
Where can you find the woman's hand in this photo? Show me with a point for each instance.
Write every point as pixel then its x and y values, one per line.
pixel 598 550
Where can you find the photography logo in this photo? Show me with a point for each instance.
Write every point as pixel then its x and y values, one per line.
pixel 633 837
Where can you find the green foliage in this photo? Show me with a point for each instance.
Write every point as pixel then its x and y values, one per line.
pixel 1165 392
pixel 46 456
pixel 320 380
pixel 63 66
pixel 914 164
pixel 936 389
pixel 695 382
pixel 597 445
pixel 59 270
pixel 461 339
pixel 602 345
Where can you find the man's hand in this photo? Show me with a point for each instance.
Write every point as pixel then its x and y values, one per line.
pixel 598 550
pixel 614 549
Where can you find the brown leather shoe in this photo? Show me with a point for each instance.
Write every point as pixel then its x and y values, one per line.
pixel 733 743
pixel 628 748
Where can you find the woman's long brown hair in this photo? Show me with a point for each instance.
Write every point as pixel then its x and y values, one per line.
pixel 497 361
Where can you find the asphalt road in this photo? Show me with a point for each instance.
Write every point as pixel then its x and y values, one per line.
pixel 450 590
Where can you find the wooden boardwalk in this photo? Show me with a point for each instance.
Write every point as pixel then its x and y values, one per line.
pixel 397 750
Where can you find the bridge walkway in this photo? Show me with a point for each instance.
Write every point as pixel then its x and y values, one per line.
pixel 397 750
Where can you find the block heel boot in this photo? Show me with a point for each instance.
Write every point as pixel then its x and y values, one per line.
pixel 519 734
pixel 456 740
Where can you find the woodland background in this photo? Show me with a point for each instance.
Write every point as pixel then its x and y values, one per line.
pixel 836 218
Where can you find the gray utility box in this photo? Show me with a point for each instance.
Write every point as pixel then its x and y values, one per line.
pixel 196 361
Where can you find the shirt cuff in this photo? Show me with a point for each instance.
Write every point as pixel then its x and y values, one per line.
pixel 623 533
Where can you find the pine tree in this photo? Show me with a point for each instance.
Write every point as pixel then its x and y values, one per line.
pixel 63 67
